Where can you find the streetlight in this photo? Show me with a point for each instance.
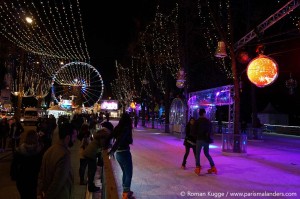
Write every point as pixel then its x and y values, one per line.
pixel 143 101
pixel 29 20
pixel 19 90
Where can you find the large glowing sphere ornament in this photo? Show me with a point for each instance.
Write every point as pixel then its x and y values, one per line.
pixel 262 71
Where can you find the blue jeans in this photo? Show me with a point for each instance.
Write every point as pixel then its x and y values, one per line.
pixel 199 145
pixel 187 152
pixel 125 161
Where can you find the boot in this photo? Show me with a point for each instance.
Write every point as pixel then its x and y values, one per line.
pixel 128 195
pixel 213 169
pixel 182 167
pixel 198 170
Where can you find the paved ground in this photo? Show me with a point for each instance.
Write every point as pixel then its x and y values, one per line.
pixel 271 166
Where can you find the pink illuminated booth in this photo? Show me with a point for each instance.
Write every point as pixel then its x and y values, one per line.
pixel 211 98
pixel 111 106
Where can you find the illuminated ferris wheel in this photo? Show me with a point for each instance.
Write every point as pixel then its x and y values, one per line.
pixel 79 81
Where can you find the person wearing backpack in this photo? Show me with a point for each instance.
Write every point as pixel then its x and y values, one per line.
pixel 203 129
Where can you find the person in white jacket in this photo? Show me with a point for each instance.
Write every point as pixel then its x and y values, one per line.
pixel 91 154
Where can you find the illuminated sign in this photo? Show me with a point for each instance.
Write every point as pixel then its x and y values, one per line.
pixel 66 104
pixel 109 105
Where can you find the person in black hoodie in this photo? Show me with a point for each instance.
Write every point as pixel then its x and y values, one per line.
pixel 189 141
pixel 122 134
pixel 26 164
pixel 203 131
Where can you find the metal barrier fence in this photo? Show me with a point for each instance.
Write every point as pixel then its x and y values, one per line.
pixel 234 143
pixel 109 183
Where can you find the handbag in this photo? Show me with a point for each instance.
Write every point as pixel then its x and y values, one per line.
pixel 185 142
pixel 188 142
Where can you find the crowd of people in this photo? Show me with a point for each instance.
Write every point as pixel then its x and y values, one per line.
pixel 42 168
pixel 46 167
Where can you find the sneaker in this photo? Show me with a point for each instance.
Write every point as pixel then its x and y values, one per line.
pixel 94 189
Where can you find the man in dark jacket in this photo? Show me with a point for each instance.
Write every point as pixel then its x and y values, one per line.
pixel 56 178
pixel 203 129
pixel 16 129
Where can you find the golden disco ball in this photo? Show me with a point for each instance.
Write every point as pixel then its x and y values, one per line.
pixel 262 71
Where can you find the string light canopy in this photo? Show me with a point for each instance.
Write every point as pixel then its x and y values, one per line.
pixel 47 28
pixel 53 32
pixel 123 86
pixel 158 53
pixel 262 71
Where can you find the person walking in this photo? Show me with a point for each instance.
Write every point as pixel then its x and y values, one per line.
pixel 189 141
pixel 4 131
pixel 56 178
pixel 203 131
pixel 16 129
pixel 26 164
pixel 123 138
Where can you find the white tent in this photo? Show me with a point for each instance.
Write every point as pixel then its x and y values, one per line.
pixel 56 111
pixel 271 116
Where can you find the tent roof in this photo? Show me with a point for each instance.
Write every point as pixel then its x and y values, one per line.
pixel 270 109
pixel 55 108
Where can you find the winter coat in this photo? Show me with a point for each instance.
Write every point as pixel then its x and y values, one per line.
pixel 25 168
pixel 123 139
pixel 203 129
pixel 190 133
pixel 4 130
pixel 99 141
pixel 16 129
pixel 56 177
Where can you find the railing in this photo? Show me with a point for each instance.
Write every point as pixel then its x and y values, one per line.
pixel 234 143
pixel 282 129
pixel 251 132
pixel 109 184
pixel 157 123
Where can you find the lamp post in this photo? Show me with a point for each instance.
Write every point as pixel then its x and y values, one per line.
pixel 143 101
pixel 19 86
